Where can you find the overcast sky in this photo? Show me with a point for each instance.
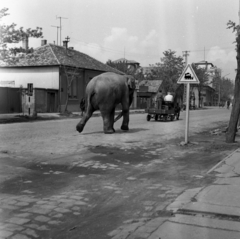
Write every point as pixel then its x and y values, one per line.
pixel 140 30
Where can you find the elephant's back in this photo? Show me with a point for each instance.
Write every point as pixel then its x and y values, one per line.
pixel 105 80
pixel 106 86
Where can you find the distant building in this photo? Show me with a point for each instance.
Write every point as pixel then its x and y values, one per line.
pixel 147 89
pixel 208 94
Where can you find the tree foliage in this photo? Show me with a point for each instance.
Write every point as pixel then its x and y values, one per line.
pixel 121 66
pixel 10 34
pixel 223 86
pixel 168 70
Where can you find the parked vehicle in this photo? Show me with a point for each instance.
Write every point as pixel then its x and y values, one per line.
pixel 160 111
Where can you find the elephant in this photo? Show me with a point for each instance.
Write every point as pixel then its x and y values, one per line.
pixel 104 92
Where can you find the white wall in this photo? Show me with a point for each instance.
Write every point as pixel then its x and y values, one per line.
pixel 41 77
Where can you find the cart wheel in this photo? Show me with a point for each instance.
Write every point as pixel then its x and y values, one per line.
pixel 148 117
pixel 156 117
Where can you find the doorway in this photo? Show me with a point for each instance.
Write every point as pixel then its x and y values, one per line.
pixel 50 102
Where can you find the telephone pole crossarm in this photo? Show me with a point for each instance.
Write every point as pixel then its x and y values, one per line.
pixel 61 27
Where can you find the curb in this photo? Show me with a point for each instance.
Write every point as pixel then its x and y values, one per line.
pixel 222 161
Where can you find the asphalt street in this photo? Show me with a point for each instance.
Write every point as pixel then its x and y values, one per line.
pixel 57 183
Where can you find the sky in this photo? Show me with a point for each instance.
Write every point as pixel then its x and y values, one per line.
pixel 139 30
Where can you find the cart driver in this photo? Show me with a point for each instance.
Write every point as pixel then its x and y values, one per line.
pixel 168 99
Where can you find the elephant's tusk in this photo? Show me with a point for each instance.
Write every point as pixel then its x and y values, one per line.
pixel 118 117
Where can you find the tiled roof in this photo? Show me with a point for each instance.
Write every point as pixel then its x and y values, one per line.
pixel 50 54
pixel 125 60
pixel 153 85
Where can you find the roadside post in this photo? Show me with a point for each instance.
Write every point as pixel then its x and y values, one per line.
pixel 188 77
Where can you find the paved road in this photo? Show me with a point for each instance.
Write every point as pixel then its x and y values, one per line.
pixel 57 183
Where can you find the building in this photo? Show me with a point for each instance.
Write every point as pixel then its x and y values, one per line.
pixel 207 93
pixel 59 76
pixel 147 89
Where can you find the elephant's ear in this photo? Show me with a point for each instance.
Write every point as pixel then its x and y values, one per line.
pixel 131 82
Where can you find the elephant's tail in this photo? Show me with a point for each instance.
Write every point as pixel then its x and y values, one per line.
pixel 119 116
pixel 89 99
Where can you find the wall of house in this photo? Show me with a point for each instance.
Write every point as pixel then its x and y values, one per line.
pixel 40 100
pixel 46 101
pixel 84 76
pixel 41 77
pixel 10 100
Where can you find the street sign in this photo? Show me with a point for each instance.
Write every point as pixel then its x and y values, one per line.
pixel 188 76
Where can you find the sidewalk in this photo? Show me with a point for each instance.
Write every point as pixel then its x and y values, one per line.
pixel 209 212
pixel 19 117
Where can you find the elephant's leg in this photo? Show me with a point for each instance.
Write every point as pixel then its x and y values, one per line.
pixel 112 114
pixel 85 118
pixel 108 120
pixel 125 113
pixel 125 122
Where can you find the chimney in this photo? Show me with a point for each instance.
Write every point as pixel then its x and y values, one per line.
pixel 43 42
pixel 65 44
pixel 25 43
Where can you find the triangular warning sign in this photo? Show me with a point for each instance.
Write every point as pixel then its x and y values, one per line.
pixel 188 76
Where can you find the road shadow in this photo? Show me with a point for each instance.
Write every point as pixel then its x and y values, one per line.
pixel 118 131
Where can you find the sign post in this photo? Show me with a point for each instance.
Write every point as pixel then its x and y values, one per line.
pixel 188 77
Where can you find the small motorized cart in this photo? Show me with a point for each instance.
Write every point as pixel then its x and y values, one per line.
pixel 161 111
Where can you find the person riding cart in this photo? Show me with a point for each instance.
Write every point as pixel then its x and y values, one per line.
pixel 168 100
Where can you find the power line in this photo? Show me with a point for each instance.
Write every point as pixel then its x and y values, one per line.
pixel 139 54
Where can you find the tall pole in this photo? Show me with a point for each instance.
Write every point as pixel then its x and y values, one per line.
pixel 187 88
pixel 61 28
pixel 186 54
pixel 57 32
pixel 239 13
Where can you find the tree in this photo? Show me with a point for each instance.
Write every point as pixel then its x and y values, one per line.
pixel 232 127
pixel 121 66
pixel 226 89
pixel 223 86
pixel 203 77
pixel 168 70
pixel 10 34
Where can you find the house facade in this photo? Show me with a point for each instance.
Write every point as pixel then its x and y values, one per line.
pixel 59 76
pixel 208 93
pixel 147 89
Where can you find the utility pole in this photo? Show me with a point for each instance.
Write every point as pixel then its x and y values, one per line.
pixel 204 54
pixel 186 99
pixel 57 32
pixel 186 54
pixel 239 13
pixel 61 28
